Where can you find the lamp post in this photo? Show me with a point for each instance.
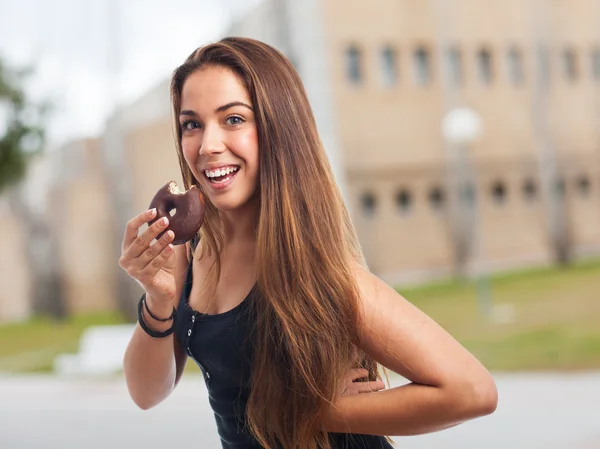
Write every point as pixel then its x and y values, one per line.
pixel 461 127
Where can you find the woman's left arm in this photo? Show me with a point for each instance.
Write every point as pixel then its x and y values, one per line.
pixel 448 384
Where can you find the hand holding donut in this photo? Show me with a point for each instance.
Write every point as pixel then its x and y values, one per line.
pixel 152 265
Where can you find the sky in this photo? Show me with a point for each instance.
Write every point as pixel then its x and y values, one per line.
pixel 70 45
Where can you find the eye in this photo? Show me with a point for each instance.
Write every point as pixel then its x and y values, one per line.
pixel 189 125
pixel 234 120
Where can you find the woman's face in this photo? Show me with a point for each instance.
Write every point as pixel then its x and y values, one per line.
pixel 219 138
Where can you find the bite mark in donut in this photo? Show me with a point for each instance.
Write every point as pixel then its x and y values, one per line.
pixel 189 211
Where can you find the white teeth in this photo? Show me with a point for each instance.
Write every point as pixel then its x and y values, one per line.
pixel 220 172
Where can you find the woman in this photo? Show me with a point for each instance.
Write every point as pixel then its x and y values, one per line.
pixel 273 300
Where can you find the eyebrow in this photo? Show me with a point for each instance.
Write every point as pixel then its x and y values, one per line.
pixel 219 109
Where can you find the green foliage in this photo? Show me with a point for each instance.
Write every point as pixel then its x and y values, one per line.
pixel 24 136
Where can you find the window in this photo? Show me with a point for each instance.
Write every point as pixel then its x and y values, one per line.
pixel 389 71
pixel 368 203
pixel 404 201
pixel 499 192
pixel 543 64
pixel 484 66
pixel 530 190
pixel 515 67
pixel 454 66
pixel 595 63
pixel 422 64
pixel 354 65
pixel 570 64
pixel 436 198
pixel 584 185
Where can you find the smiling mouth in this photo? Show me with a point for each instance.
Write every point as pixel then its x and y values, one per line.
pixel 221 175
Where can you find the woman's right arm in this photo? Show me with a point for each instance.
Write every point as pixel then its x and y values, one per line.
pixel 153 366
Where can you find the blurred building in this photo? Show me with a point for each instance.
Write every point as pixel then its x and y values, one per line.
pixel 81 219
pixel 15 276
pixel 58 227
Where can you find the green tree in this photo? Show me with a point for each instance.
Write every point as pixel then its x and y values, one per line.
pixel 21 130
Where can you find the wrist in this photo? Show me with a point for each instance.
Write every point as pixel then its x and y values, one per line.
pixel 157 315
pixel 335 417
pixel 160 308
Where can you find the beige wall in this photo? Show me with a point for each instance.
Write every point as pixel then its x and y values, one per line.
pixel 15 289
pixel 83 222
pixel 391 135
pixel 392 238
pixel 583 209
pixel 514 230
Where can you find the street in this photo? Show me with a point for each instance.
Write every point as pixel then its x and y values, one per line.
pixel 535 411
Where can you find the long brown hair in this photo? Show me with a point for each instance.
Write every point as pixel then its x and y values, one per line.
pixel 306 318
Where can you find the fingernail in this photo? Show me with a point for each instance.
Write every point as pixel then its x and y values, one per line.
pixel 151 212
pixel 168 235
pixel 164 221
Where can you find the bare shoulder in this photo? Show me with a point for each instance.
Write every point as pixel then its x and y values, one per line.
pixel 402 338
pixel 379 301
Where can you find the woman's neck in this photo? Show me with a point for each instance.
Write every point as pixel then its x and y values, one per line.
pixel 239 225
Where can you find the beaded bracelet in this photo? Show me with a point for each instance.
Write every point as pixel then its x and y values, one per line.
pixel 144 326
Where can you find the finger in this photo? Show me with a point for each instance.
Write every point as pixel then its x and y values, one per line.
pixel 369 387
pixel 133 226
pixel 154 250
pixel 357 374
pixel 142 241
pixel 158 262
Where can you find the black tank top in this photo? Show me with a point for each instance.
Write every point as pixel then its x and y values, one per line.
pixel 221 347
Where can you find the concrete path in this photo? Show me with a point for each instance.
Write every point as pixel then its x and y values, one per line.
pixel 536 411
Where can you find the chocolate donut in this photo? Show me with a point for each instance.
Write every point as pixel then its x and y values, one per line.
pixel 189 214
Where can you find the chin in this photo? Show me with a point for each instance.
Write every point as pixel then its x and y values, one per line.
pixel 229 205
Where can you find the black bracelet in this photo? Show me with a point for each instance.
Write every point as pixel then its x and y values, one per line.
pixel 154 317
pixel 143 325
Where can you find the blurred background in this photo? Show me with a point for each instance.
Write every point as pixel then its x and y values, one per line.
pixel 464 135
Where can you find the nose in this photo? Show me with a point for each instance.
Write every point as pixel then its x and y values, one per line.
pixel 212 141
